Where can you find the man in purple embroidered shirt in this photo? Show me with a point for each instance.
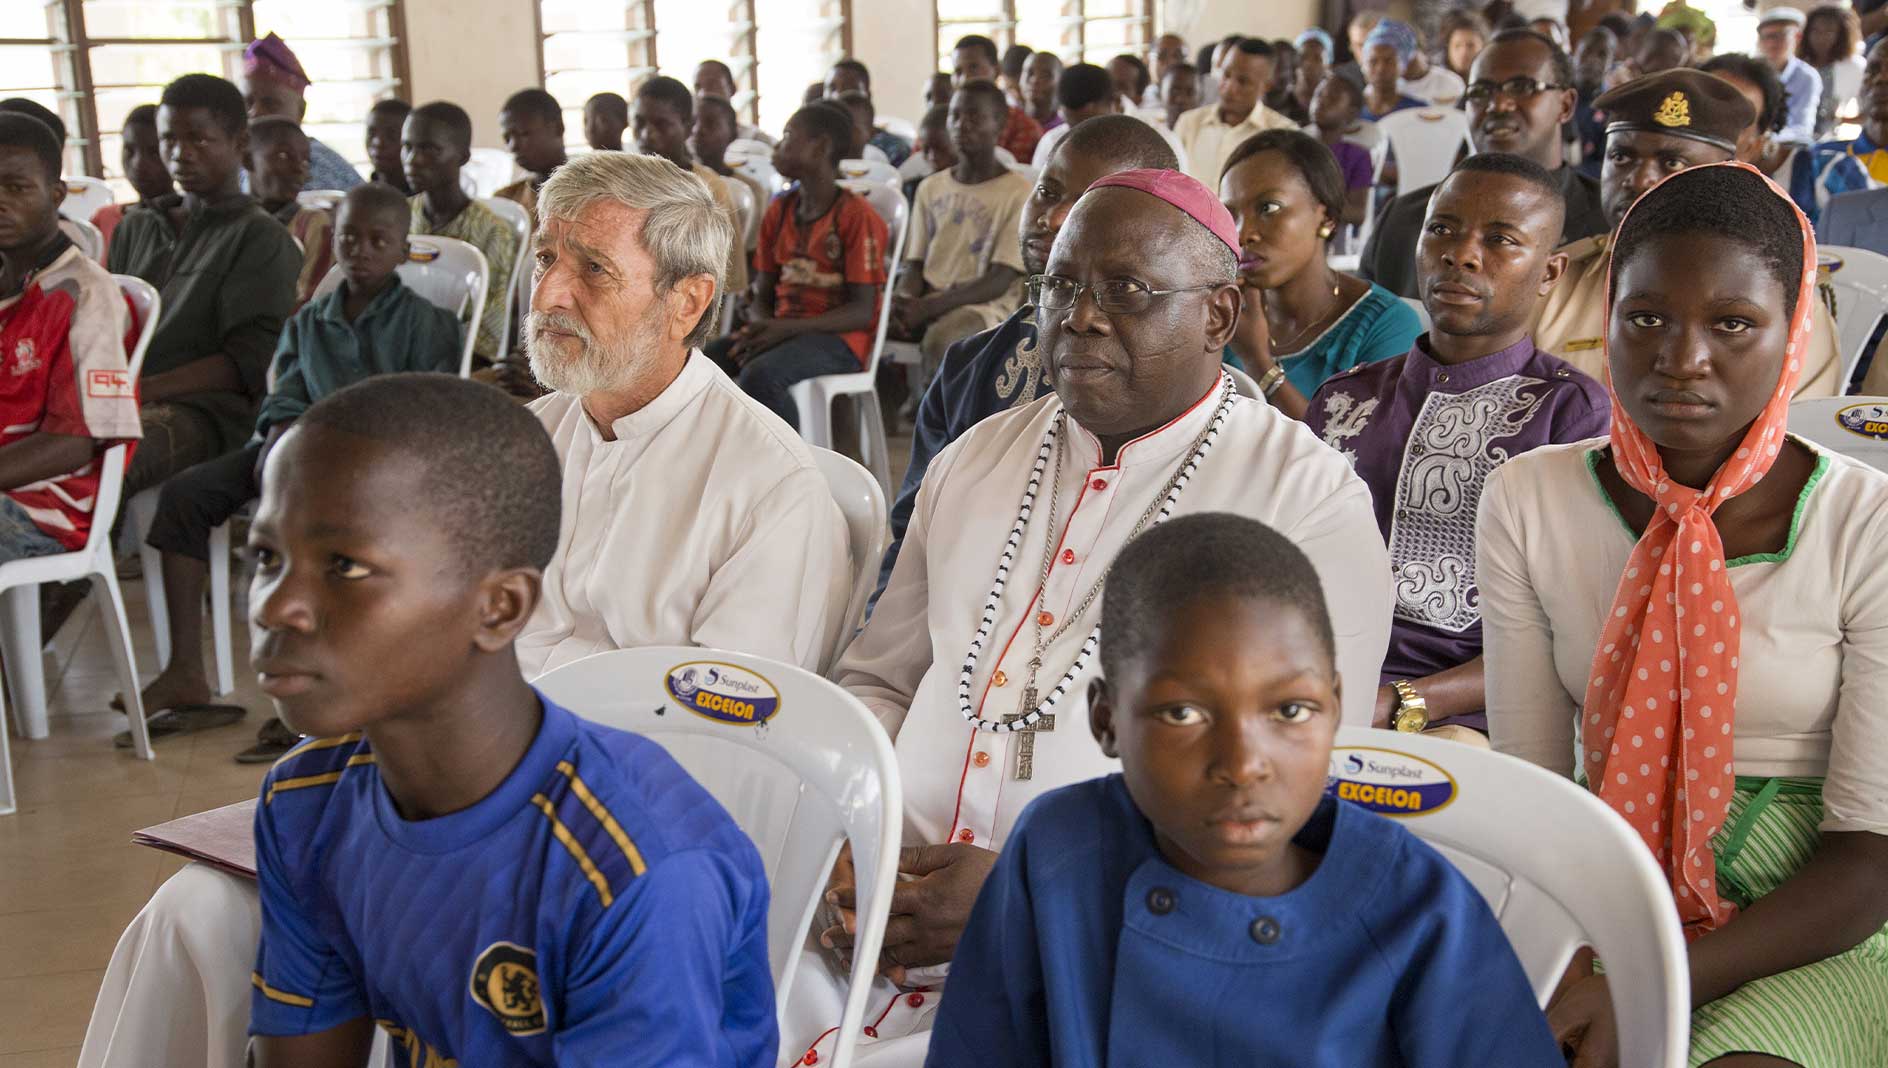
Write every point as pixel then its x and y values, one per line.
pixel 1425 429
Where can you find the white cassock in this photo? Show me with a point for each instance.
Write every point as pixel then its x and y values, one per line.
pixel 704 523
pixel 959 783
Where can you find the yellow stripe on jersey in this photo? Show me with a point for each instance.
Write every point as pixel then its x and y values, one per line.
pixel 316 780
pixel 576 850
pixel 286 998
pixel 603 817
pixel 319 743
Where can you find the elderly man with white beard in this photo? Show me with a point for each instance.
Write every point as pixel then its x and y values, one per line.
pixel 692 514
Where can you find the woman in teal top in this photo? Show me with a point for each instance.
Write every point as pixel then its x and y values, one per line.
pixel 1303 321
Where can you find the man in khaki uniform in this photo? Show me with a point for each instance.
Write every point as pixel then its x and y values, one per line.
pixel 1659 124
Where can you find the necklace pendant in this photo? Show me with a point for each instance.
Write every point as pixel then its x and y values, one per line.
pixel 1029 701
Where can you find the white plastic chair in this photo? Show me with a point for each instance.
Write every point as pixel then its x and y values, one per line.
pixel 1559 869
pixel 1860 280
pixel 1425 142
pixel 756 160
pixel 1856 427
pixel 814 396
pixel 83 234
pixel 862 501
pixel 870 170
pixel 1244 384
pixel 321 199
pixel 747 212
pixel 84 197
pixel 512 212
pixel 1422 311
pixel 20 641
pixel 898 127
pixel 490 170
pixel 819 770
pixel 445 271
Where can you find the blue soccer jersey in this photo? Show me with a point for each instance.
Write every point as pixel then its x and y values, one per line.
pixel 598 908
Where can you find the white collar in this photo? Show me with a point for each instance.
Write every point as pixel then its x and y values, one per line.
pixel 696 376
pixel 1160 445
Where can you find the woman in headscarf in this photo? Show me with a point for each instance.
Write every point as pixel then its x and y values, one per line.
pixel 1691 619
pixel 1386 53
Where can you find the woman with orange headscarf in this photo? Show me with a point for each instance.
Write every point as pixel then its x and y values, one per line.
pixel 1691 619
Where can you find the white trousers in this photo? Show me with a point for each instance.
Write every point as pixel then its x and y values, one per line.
pixel 897 1022
pixel 176 994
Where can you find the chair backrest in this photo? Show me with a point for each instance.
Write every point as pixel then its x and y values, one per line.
pixel 84 196
pixel 889 202
pixel 446 271
pixel 490 169
pixel 862 501
pixel 1421 311
pixel 898 127
pixel 1425 142
pixel 83 234
pixel 1856 427
pixel 746 212
pixel 1860 280
pixel 148 306
pixel 870 170
pixel 1244 384
pixel 1559 869
pixel 322 199
pixel 512 212
pixel 796 761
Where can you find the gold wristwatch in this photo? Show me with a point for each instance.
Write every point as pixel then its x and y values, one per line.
pixel 1412 712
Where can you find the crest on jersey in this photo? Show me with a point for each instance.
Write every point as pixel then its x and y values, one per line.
pixel 505 981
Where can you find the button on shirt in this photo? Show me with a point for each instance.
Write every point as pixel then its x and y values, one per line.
pixel 1210 140
pixel 703 523
pixel 1424 436
pixel 1087 947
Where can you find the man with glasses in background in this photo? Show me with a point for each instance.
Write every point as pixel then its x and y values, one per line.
pixel 1519 96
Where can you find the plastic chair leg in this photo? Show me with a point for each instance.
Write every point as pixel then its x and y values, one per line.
pixel 219 609
pixel 816 415
pixel 118 636
pixel 8 804
pixel 875 446
pixel 25 663
pixel 141 511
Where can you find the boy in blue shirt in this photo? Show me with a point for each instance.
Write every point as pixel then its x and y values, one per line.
pixel 452 857
pixel 1210 905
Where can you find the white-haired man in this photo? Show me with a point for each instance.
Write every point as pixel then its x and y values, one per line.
pixel 693 516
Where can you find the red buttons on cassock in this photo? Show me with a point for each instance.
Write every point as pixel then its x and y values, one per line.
pixel 1068 556
pixel 915 1000
pixel 982 760
pixel 966 835
pixel 1099 484
pixel 871 1032
pixel 999 679
pixel 1046 619
pixel 812 1057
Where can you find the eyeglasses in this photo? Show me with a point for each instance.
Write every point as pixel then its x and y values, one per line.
pixel 1052 292
pixel 1514 89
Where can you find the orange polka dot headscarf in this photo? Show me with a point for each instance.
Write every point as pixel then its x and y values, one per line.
pixel 1657 725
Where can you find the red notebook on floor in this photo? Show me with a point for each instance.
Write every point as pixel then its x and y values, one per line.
pixel 224 837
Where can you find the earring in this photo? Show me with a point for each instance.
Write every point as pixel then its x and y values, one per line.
pixel 1325 231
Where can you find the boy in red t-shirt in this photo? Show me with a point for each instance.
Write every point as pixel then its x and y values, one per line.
pixel 66 392
pixel 819 271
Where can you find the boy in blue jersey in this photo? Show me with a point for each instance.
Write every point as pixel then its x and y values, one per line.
pixel 488 878
pixel 1210 905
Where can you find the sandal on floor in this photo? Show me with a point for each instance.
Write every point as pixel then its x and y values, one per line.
pixel 184 719
pixel 273 740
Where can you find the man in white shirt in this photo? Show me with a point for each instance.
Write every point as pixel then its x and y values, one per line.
pixel 692 515
pixel 1210 132
pixel 1142 424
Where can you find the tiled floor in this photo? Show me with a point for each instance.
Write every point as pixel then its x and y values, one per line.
pixel 70 879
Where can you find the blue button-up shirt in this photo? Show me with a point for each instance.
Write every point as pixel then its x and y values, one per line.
pixel 1802 87
pixel 1086 947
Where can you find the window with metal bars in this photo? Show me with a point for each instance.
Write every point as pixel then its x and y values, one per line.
pixel 92 61
pixel 1092 31
pixel 775 49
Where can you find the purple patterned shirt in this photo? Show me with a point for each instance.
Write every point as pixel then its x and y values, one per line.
pixel 1424 437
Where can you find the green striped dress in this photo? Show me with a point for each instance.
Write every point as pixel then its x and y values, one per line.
pixel 1830 1014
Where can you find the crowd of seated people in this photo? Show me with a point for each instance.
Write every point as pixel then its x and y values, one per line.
pixel 1184 495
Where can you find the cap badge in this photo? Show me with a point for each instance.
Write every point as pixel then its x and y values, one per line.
pixel 1674 110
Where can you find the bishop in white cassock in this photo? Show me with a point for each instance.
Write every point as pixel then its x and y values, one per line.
pixel 1142 424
